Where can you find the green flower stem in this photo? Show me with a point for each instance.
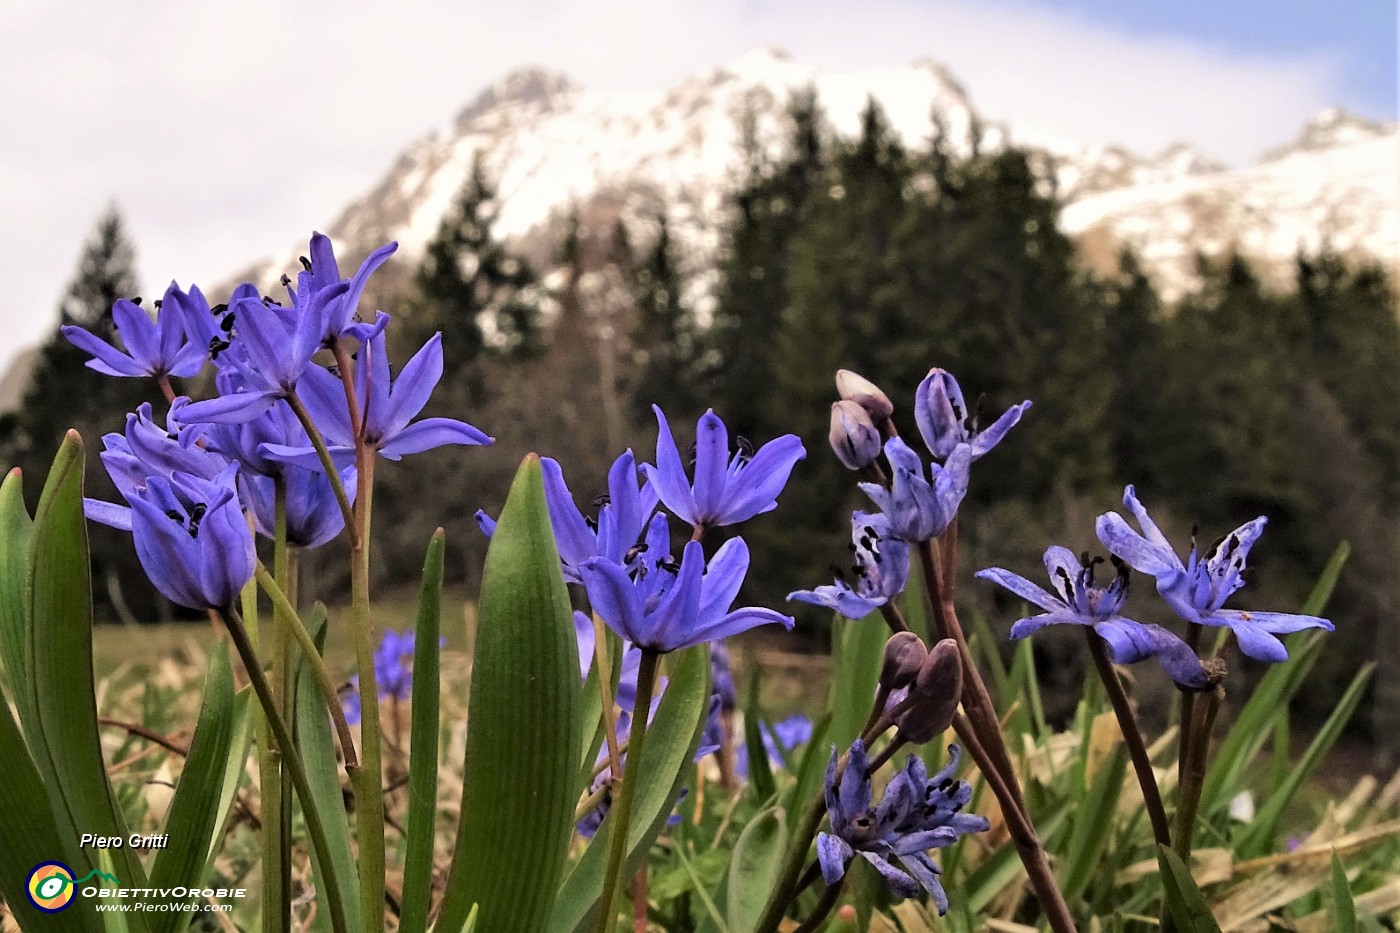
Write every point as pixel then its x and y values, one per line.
pixel 368 780
pixel 1188 705
pixel 268 772
pixel 982 715
pixel 619 817
pixel 600 658
pixel 282 667
pixel 283 738
pixel 824 907
pixel 327 464
pixel 1132 735
pixel 317 664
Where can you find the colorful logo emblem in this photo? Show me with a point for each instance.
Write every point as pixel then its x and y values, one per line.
pixel 51 887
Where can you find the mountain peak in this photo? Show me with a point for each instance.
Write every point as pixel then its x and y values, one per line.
pixel 521 87
pixel 1332 127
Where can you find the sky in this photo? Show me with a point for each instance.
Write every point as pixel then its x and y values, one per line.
pixel 226 131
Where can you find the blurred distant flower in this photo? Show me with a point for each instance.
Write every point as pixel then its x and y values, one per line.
pixel 945 421
pixel 1198 588
pixel 916 506
pixel 779 738
pixel 1080 600
pixel 721 677
pixel 153 348
pixel 916 814
pixel 728 488
pixel 393 672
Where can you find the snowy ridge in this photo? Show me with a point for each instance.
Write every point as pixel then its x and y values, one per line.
pixel 550 143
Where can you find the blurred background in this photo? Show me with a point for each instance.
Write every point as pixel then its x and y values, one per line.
pixel 1174 227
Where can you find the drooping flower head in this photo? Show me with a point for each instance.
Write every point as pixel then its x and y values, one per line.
pixel 915 815
pixel 881 570
pixel 163 347
pixel 945 421
pixel 729 487
pixel 1079 599
pixel 664 605
pixel 191 537
pixel 1198 588
pixel 919 505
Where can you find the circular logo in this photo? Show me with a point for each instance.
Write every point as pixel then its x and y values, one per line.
pixel 50 887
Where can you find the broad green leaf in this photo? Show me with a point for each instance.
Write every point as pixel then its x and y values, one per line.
pixel 1093 825
pixel 423 748
pixel 523 734
pixel 1258 837
pixel 758 853
pixel 192 823
pixel 235 767
pixel 68 746
pixel 32 836
pixel 859 649
pixel 671 742
pixel 1188 906
pixel 15 528
pixel 1343 907
pixel 315 738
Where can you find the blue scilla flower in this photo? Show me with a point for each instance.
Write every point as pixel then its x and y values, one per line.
pixel 190 535
pixel 920 505
pixel 665 606
pixel 1080 600
pixel 321 274
pixel 388 403
pixel 728 488
pixel 779 739
pixel 1198 588
pixel 163 347
pixel 945 421
pixel 622 517
pixel 881 570
pixel 393 672
pixel 916 814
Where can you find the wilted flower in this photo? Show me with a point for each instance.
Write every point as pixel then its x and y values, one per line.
pixel 662 606
pixel 1080 600
pixel 162 347
pixel 854 438
pixel 1198 588
pixel 945 421
pixel 916 814
pixel 916 507
pixel 881 570
pixel 727 489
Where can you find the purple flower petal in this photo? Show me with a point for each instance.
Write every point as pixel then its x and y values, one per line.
pixel 431 433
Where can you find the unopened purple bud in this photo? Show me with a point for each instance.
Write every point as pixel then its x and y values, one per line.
pixel 938 689
pixel 904 655
pixel 853 387
pixel 854 436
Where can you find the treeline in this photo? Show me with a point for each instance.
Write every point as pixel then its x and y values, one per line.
pixel 1234 401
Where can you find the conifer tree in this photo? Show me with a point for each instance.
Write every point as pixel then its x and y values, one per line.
pixel 664 338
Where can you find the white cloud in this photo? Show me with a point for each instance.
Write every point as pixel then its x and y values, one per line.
pixel 227 130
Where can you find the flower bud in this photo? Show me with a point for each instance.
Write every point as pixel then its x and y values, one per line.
pixel 853 387
pixel 904 654
pixel 938 689
pixel 854 437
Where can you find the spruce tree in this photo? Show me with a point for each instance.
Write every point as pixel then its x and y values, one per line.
pixel 664 338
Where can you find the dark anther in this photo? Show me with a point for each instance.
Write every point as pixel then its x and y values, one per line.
pixel 305 263
pixel 136 301
pixel 175 516
pixel 633 553
pixel 226 324
pixel 669 564
pixel 158 304
pixel 267 301
pixel 601 500
pixel 591 522
pixel 286 280
pixel 218 309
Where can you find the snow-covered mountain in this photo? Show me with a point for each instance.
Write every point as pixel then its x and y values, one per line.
pixel 550 143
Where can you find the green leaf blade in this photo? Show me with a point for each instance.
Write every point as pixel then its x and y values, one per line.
pixel 524 735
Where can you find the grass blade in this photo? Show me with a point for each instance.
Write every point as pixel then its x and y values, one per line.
pixel 1343 907
pixel 1188 906
pixel 423 745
